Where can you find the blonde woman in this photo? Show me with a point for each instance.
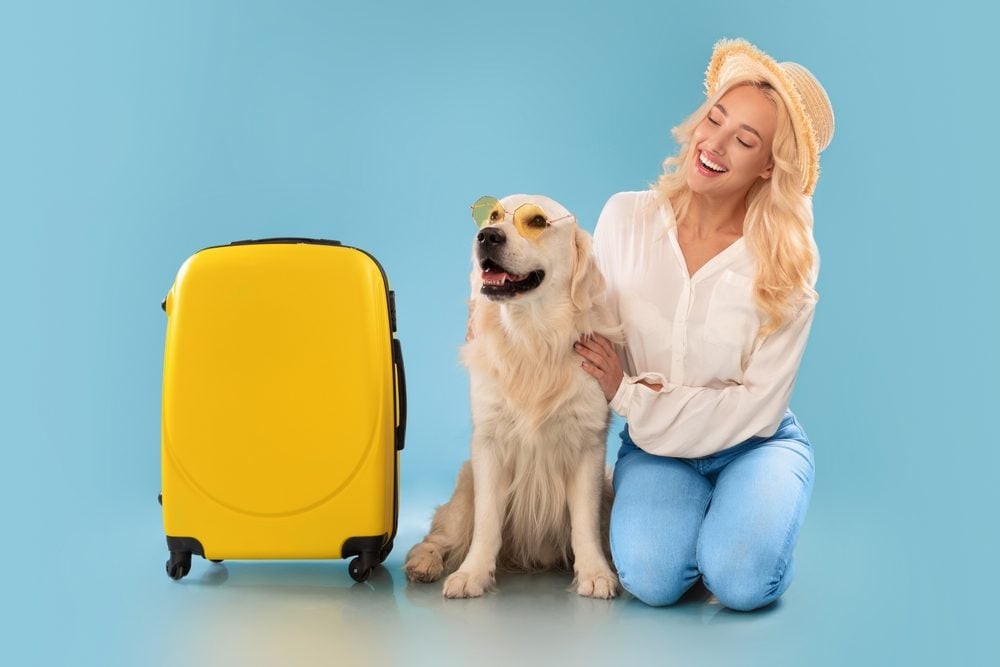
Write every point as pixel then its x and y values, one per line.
pixel 712 272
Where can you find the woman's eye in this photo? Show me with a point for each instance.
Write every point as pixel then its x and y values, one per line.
pixel 745 144
pixel 712 121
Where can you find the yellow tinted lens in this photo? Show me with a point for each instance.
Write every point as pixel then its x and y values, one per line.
pixel 482 210
pixel 530 221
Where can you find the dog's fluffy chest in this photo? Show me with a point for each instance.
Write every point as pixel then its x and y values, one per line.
pixel 537 416
pixel 531 380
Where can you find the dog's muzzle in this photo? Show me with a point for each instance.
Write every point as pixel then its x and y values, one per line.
pixel 500 284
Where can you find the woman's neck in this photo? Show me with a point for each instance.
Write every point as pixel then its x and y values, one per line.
pixel 707 217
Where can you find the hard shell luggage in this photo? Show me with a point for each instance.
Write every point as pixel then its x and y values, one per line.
pixel 284 406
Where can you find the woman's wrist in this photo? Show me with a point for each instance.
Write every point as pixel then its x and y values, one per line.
pixel 619 400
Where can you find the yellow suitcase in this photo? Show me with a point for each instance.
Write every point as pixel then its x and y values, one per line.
pixel 284 406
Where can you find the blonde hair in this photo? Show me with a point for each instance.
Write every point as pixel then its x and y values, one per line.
pixel 778 228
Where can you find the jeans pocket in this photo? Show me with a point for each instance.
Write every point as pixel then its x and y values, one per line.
pixel 800 433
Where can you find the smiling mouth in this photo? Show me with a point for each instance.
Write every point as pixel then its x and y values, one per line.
pixel 499 284
pixel 708 164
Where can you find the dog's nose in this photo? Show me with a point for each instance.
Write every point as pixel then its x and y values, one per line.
pixel 491 236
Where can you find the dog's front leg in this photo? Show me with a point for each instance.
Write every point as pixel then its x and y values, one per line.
pixel 475 575
pixel 594 577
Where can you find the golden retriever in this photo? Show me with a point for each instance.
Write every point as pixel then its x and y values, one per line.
pixel 535 494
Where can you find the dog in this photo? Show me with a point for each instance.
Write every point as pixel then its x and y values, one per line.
pixel 535 494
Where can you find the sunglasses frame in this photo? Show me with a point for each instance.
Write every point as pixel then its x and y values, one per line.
pixel 523 228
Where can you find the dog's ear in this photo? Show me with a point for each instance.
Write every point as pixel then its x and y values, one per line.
pixel 587 283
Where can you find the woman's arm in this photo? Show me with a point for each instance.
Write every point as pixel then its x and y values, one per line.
pixel 690 422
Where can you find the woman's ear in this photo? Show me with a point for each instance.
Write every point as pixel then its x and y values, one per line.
pixel 768 170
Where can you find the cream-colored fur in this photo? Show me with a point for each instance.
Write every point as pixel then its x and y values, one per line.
pixel 535 494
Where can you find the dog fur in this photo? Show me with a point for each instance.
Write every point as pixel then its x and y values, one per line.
pixel 535 494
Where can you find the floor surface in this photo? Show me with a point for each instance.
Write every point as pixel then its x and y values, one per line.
pixel 118 607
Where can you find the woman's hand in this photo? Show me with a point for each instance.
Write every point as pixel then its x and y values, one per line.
pixel 601 361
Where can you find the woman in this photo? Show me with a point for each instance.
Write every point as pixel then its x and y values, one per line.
pixel 712 272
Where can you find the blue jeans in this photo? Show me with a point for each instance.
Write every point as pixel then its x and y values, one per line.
pixel 731 518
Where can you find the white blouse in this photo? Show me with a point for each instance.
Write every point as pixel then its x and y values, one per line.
pixel 697 336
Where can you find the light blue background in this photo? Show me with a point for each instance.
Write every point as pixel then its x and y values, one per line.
pixel 133 134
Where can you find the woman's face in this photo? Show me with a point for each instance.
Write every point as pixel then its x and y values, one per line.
pixel 735 140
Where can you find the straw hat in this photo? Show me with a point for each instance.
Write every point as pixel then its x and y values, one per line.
pixel 807 102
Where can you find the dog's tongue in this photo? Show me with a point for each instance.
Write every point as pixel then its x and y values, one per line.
pixel 499 277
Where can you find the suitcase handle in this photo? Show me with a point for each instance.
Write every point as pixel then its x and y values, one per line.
pixel 397 354
pixel 286 239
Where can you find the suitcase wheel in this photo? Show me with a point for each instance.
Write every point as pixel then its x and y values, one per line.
pixel 362 566
pixel 179 564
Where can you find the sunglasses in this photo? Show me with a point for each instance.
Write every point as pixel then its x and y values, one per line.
pixel 529 219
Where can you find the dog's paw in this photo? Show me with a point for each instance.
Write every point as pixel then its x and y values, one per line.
pixel 467 584
pixel 597 583
pixel 423 565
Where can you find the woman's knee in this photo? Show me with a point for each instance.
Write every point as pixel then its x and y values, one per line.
pixel 651 580
pixel 741 584
pixel 648 569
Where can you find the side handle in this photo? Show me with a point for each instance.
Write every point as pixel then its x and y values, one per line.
pixel 397 356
